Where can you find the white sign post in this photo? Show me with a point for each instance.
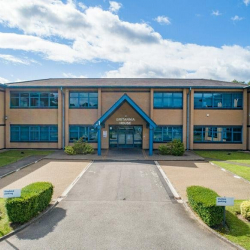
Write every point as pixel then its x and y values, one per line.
pixel 223 202
pixel 12 193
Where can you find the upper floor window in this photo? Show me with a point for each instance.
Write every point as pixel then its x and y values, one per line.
pixel 83 100
pixel 167 100
pixel 216 134
pixel 167 133
pixel 33 133
pixel 33 100
pixel 88 133
pixel 218 100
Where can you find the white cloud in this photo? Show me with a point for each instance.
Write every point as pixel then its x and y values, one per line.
pixel 3 80
pixel 216 13
pixel 114 6
pixel 237 18
pixel 70 75
pixel 13 59
pixel 99 35
pixel 246 2
pixel 162 20
pixel 82 6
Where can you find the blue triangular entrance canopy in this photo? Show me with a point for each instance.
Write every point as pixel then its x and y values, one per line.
pixel 125 98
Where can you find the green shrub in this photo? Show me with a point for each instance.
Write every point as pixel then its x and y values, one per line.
pixel 88 149
pixel 165 149
pixel 34 199
pixel 69 150
pixel 79 146
pixel 177 148
pixel 245 209
pixel 203 201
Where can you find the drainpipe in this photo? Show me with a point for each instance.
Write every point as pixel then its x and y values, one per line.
pixel 188 95
pixel 63 117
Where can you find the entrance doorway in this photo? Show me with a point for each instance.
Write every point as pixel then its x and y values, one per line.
pixel 125 136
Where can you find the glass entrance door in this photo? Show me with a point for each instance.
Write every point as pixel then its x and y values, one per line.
pixel 125 136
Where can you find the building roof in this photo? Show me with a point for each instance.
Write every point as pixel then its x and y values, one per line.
pixel 125 83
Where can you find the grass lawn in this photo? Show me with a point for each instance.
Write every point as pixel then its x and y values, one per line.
pixel 4 221
pixel 11 156
pixel 239 231
pixel 226 155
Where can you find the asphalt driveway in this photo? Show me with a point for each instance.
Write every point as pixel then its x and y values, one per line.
pixel 117 205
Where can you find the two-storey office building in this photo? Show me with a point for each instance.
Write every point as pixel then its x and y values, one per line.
pixel 134 113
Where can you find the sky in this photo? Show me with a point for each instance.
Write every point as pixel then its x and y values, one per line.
pixel 42 39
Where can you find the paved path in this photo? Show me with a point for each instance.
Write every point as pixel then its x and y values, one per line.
pixel 19 164
pixel 183 174
pixel 117 205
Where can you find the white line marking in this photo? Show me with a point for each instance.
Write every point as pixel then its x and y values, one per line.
pixel 64 194
pixel 236 176
pixel 175 194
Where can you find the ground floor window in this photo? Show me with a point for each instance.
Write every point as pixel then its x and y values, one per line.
pixel 214 134
pixel 88 133
pixel 167 133
pixel 33 133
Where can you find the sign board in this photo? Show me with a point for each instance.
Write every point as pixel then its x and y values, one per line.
pixel 105 134
pixel 11 193
pixel 125 120
pixel 224 201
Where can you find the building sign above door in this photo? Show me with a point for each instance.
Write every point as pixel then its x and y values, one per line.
pixel 125 120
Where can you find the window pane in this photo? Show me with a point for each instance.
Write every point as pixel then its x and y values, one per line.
pixel 217 100
pixel 93 95
pixel 198 135
pixel 83 102
pixel 157 95
pixel 227 100
pixel 14 102
pixel 93 102
pixel 44 102
pixel 237 137
pixel 83 132
pixel 167 134
pixel 73 95
pixel 32 94
pixel 92 134
pixel 158 134
pixel 207 101
pixel 24 102
pixel 14 134
pixel 167 100
pixel 227 135
pixel 45 95
pixel 24 133
pixel 73 136
pixel 177 133
pixel 53 99
pixel 14 94
pixel 157 102
pixel 44 134
pixel 83 95
pixel 34 134
pixel 34 102
pixel 73 102
pixel 198 100
pixel 53 133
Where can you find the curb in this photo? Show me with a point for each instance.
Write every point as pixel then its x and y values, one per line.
pixel 58 200
pixel 11 172
pixel 187 207
pixel 170 185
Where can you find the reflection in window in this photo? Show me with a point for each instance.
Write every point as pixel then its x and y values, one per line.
pixel 167 100
pixel 33 133
pixel 217 134
pixel 167 133
pixel 88 133
pixel 33 100
pixel 218 100
pixel 83 100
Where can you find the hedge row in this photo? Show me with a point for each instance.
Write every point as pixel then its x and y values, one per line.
pixel 203 202
pixel 34 199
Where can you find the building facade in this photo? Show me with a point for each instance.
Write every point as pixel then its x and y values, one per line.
pixel 134 113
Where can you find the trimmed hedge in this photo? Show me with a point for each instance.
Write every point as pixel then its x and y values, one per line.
pixel 176 148
pixel 203 202
pixel 34 199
